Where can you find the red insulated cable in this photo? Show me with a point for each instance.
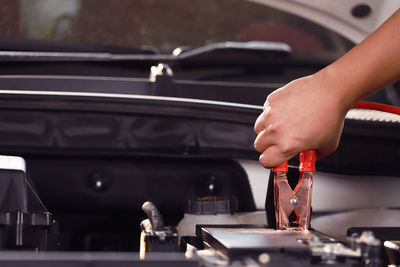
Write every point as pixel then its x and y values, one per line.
pixel 377 106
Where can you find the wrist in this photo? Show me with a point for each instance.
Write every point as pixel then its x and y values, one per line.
pixel 340 87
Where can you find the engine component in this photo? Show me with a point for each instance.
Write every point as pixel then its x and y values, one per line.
pixel 25 223
pixel 212 205
pixel 208 210
pixel 155 237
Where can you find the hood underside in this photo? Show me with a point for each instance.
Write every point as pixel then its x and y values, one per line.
pixel 339 15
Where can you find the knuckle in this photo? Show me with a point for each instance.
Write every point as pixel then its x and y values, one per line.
pixel 266 104
pixel 258 143
pixel 259 125
pixel 267 100
pixel 264 161
pixel 270 97
pixel 273 128
pixel 287 148
pixel 255 128
pixel 256 146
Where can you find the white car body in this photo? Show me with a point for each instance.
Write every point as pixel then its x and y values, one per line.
pixel 336 14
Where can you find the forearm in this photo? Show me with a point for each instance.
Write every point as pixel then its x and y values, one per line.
pixel 308 113
pixel 368 67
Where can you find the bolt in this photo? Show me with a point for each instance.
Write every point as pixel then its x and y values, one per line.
pixel 99 184
pixel 293 201
pixel 264 258
pixel 212 186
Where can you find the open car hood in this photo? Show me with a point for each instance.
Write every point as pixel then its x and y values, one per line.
pixel 338 15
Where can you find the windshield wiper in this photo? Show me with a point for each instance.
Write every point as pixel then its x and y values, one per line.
pixel 32 45
pixel 227 53
pixel 236 53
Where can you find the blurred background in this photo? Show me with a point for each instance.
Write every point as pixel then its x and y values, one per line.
pixel 163 25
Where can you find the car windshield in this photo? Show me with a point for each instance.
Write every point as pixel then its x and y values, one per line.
pixel 160 25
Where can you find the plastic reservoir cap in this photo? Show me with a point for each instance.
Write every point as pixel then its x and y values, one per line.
pixel 12 163
pixel 281 168
pixel 212 205
pixel 307 161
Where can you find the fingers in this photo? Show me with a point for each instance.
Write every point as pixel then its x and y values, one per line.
pixel 273 141
pixel 272 157
pixel 264 140
pixel 261 121
pixel 273 153
pixel 275 147
pixel 259 125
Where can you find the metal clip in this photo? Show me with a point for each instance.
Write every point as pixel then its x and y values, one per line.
pixel 293 207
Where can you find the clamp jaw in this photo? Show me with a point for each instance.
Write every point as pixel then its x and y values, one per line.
pixel 293 207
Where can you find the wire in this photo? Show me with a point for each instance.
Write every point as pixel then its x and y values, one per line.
pixel 378 106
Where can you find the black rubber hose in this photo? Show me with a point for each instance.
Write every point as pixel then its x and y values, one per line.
pixel 154 216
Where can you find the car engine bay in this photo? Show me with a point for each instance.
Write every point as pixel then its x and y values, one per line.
pixel 80 165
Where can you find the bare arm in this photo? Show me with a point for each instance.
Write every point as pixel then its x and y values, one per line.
pixel 309 112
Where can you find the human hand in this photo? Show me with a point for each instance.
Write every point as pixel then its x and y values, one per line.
pixel 307 113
